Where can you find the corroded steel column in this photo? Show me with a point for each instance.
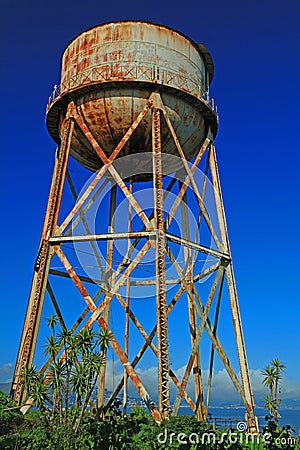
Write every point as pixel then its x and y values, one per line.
pixel 41 269
pixel 236 317
pixel 109 281
pixel 161 308
pixel 127 307
pixel 198 385
pixel 113 120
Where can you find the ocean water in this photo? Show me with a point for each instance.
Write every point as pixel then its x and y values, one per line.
pixel 288 416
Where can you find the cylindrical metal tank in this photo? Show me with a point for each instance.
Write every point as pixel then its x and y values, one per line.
pixel 111 70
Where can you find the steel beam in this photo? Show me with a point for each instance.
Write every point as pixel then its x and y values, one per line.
pixel 109 280
pixel 153 231
pixel 232 292
pixel 212 351
pixel 161 307
pixel 109 166
pixel 200 248
pixel 89 189
pixel 191 180
pixel 39 281
pixel 127 308
pixel 104 326
pixel 102 237
pixel 186 182
pixel 198 385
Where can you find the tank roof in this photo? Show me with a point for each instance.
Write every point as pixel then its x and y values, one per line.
pixel 201 48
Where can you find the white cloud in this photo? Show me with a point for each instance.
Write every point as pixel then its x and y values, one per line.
pixel 223 391
pixel 6 372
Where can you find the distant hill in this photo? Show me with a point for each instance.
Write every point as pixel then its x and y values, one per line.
pixel 290 404
pixel 133 401
pixel 5 387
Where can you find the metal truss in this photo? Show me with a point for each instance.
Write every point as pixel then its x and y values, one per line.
pixel 154 234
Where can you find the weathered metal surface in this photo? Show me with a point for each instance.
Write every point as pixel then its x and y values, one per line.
pixel 85 224
pixel 127 308
pixel 149 45
pixel 196 246
pixel 160 267
pixel 102 237
pixel 100 174
pixel 143 282
pixel 112 70
pixel 198 385
pixel 118 284
pixel 84 209
pixel 186 182
pixel 198 334
pixel 109 281
pixel 107 163
pixel 72 330
pixel 219 349
pixel 147 343
pixel 104 326
pixel 191 178
pixel 212 351
pixel 39 281
pixel 232 292
pixel 132 87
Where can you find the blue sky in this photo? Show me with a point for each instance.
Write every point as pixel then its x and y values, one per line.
pixel 255 47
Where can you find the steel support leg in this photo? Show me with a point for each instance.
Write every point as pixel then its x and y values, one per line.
pixel 127 309
pixel 161 308
pixel 198 385
pixel 236 318
pixel 109 274
pixel 39 281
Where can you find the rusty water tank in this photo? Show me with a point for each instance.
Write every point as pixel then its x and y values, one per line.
pixel 110 71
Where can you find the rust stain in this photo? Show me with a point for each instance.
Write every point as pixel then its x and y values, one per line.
pixel 116 60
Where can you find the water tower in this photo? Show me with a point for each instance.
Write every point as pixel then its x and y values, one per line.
pixel 133 109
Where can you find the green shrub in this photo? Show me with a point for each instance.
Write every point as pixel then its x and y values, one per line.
pixel 10 415
pixel 135 431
